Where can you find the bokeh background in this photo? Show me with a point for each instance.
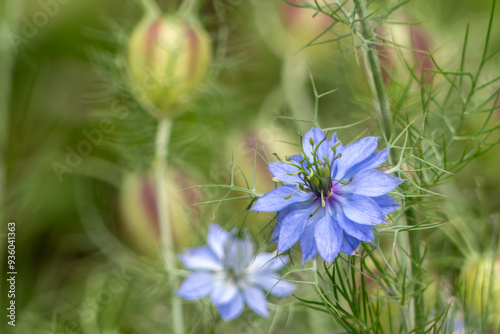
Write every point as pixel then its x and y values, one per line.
pixel 86 238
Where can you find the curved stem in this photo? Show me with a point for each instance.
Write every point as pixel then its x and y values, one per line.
pixel 162 201
pixel 377 80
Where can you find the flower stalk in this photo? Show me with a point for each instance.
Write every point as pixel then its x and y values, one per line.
pixel 385 118
pixel 377 82
pixel 167 240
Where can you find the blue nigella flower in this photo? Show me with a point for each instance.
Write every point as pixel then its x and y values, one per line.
pixel 227 270
pixel 331 197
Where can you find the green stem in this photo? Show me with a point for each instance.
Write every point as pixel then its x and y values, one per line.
pixel 377 81
pixel 167 240
pixel 9 12
pixel 385 117
pixel 418 300
pixel 150 7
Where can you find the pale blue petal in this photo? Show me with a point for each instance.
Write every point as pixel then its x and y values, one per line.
pixel 362 210
pixel 223 292
pixel 372 183
pixel 281 170
pixel 349 244
pixel 358 231
pixel 373 161
pixel 294 207
pixel 216 239
pixel 353 154
pixel 267 262
pixel 232 309
pixel 200 258
pixel 275 199
pixel 197 285
pixel 328 237
pixel 292 227
pixel 271 283
pixel 386 204
pixel 255 298
pixel 239 254
pixel 307 241
pixel 317 135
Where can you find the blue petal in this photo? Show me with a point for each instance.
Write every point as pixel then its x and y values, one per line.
pixel 232 309
pixel 282 214
pixel 276 233
pixel 271 283
pixel 349 244
pixel 267 262
pixel 362 210
pixel 307 242
pixel 353 154
pixel 297 158
pixel 386 204
pixel 216 239
pixel 294 207
pixel 223 292
pixel 201 258
pixel 358 231
pixel 317 135
pixel 371 182
pixel 256 300
pixel 275 199
pixel 292 227
pixel 197 285
pixel 239 254
pixel 373 161
pixel 328 236
pixel 281 170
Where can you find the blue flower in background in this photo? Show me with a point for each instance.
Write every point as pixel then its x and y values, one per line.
pixel 331 197
pixel 227 271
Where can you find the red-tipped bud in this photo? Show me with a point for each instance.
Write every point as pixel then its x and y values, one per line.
pixel 168 58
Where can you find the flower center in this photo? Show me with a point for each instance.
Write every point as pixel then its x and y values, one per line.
pixel 316 173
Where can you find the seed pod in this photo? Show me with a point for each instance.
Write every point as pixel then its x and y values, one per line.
pixel 168 57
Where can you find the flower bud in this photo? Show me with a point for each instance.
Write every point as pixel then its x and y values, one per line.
pixel 168 57
pixel 138 215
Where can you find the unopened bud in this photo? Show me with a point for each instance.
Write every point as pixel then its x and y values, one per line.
pixel 168 58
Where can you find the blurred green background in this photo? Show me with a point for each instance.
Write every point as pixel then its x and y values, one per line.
pixel 85 240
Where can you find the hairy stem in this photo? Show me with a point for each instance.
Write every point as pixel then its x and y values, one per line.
pixel 377 81
pixel 385 118
pixel 162 200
